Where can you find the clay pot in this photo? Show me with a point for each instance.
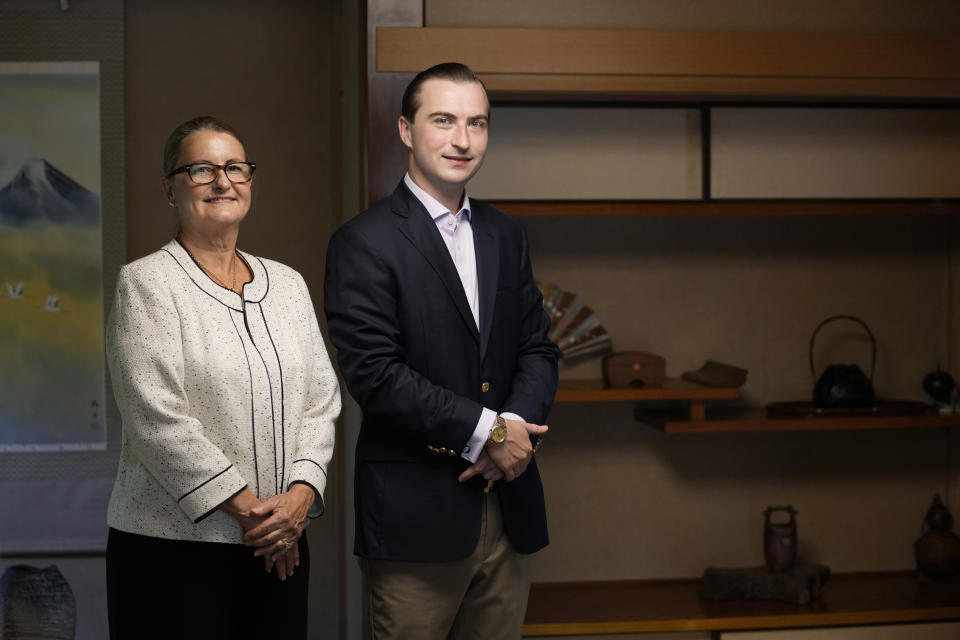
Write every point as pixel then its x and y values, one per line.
pixel 937 551
pixel 37 603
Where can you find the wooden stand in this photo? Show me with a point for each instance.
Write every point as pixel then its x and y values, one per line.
pixel 800 585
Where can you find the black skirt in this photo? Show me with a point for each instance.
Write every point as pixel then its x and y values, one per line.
pixel 158 588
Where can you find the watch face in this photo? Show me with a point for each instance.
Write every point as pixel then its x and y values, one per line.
pixel 498 433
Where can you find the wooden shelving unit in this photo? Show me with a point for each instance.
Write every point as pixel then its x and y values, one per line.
pixel 728 207
pixel 645 606
pixel 544 65
pixel 672 389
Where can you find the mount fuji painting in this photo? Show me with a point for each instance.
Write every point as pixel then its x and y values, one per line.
pixel 41 193
pixel 51 298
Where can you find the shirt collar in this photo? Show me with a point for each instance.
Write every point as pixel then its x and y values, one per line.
pixel 434 208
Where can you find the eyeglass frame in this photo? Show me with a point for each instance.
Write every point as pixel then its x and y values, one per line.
pixel 219 167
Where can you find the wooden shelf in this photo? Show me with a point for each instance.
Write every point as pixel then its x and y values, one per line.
pixel 760 422
pixel 695 419
pixel 643 606
pixel 636 64
pixel 672 389
pixel 728 207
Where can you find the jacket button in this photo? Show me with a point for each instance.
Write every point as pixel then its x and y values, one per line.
pixel 485 387
pixel 451 453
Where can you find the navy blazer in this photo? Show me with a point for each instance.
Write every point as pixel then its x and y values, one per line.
pixel 413 358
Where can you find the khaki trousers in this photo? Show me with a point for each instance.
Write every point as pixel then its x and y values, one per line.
pixel 483 596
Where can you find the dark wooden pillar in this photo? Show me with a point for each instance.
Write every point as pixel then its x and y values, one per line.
pixel 386 155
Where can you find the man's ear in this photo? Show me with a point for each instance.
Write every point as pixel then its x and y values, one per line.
pixel 404 127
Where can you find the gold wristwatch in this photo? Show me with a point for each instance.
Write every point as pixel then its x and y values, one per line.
pixel 498 432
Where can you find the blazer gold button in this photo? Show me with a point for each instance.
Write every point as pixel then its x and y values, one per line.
pixel 451 453
pixel 485 387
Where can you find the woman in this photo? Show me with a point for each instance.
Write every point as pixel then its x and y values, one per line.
pixel 228 403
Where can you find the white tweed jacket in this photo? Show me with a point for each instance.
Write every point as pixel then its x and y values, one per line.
pixel 216 393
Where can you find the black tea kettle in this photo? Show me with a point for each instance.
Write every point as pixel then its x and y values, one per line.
pixel 843 386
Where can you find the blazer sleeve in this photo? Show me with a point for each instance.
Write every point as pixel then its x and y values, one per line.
pixel 315 438
pixel 535 378
pixel 361 300
pixel 145 355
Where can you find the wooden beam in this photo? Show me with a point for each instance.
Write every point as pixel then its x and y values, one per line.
pixel 529 62
pixel 671 53
pixel 798 207
pixel 614 88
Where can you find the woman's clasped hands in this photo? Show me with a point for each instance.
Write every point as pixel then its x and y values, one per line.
pixel 275 538
pixel 273 527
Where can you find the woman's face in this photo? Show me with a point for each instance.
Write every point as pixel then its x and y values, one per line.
pixel 219 203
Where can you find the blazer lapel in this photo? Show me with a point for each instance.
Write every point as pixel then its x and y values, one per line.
pixel 422 232
pixel 488 270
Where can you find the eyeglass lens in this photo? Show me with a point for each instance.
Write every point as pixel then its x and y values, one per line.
pixel 206 173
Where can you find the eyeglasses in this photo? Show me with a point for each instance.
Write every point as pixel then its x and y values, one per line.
pixel 205 172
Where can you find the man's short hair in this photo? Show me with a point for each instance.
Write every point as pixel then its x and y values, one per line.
pixel 453 71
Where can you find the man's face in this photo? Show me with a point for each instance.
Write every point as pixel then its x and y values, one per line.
pixel 448 136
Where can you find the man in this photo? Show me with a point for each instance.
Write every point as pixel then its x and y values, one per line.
pixel 442 340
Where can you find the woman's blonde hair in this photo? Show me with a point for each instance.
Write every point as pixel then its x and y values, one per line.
pixel 171 150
